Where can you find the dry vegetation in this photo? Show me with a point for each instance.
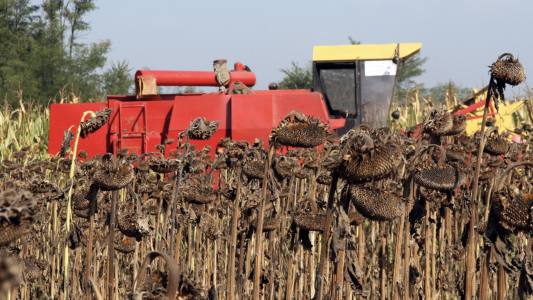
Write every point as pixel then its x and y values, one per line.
pixel 375 214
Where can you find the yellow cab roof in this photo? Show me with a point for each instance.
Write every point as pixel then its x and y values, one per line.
pixel 364 52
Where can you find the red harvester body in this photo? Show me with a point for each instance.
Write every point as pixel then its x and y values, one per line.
pixel 141 122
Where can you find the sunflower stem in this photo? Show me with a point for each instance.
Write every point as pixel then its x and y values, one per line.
pixel 174 200
pixel 67 222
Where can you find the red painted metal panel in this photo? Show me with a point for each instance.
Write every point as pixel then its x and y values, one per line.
pixel 152 139
pixel 132 143
pixel 270 92
pixel 134 131
pixel 251 117
pixel 63 116
pixel 193 78
pixel 214 107
pixel 158 115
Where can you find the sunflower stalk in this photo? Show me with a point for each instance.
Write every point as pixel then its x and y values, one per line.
pixel 470 257
pixel 174 197
pixel 68 221
pixel 233 239
pixel 259 230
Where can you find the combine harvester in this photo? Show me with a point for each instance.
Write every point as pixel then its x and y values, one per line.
pixel 353 84
pixel 505 118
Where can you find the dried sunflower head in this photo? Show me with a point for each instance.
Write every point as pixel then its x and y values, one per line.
pixel 95 123
pixel 433 196
pixel 224 143
pixel 360 143
pixel 68 137
pixel 143 166
pixel 345 138
pixel 512 206
pixel 302 131
pixel 496 144
pixel 198 165
pixel 324 178
pixel 378 163
pixel 376 204
pixel 39 185
pixel 113 175
pixel 485 175
pixel 134 225
pixel 198 193
pixel 408 147
pixel 438 176
pixel 454 153
pixel 512 209
pixel 163 165
pixel 311 222
pixel 494 162
pixel 286 166
pixel 303 173
pixel 254 165
pixel 459 124
pixel 17 212
pixel 202 129
pixel 508 70
pixel 437 122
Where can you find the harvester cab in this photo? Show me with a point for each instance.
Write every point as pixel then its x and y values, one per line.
pixel 352 85
pixel 357 81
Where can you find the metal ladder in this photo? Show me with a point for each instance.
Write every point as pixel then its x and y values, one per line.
pixel 123 134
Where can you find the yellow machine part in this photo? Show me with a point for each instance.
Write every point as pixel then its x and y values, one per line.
pixel 364 52
pixel 504 117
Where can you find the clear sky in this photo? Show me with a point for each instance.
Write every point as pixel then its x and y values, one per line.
pixel 461 38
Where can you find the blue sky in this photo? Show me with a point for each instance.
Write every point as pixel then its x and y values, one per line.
pixel 461 38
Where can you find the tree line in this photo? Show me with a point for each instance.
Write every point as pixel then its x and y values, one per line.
pixel 41 54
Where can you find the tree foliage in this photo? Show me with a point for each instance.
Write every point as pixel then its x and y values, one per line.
pixel 40 53
pixel 297 77
pixel 438 92
pixel 408 70
pixel 353 42
pixel 74 14
pixel 117 80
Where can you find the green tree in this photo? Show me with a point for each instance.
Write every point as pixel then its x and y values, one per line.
pixel 16 18
pixel 439 91
pixel 408 70
pixel 353 42
pixel 296 77
pixel 40 53
pixel 118 80
pixel 83 68
pixel 74 13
